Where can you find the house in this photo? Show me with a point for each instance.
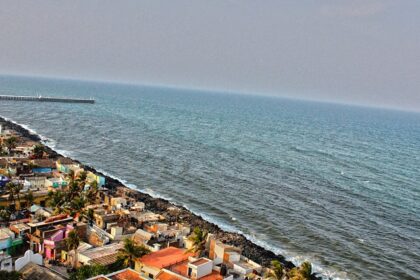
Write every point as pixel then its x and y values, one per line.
pixel 194 269
pixel 151 264
pixel 64 165
pixel 223 253
pixel 104 220
pixel 33 271
pixel 20 229
pixel 43 166
pixel 68 257
pixel 34 182
pixel 92 177
pixel 45 229
pixel 55 243
pixel 105 255
pixel 6 262
pixel 144 217
pixel 124 274
pixel 9 241
pixel 56 183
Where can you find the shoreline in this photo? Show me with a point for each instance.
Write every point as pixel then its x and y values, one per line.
pixel 160 205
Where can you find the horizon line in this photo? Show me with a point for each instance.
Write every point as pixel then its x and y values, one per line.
pixel 209 90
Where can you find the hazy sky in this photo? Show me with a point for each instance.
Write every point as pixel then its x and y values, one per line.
pixel 365 52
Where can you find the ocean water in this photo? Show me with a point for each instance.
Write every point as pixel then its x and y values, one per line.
pixel 333 184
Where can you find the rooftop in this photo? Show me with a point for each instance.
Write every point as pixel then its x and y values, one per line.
pixel 200 261
pixel 98 252
pixel 125 274
pixel 165 257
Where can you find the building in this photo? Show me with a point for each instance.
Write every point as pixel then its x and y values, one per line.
pixel 151 264
pixel 194 269
pixel 124 274
pixel 9 241
pixel 104 255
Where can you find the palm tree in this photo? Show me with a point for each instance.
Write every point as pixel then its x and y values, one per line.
pixel 56 200
pixel 38 151
pixel 4 215
pixel 276 270
pixel 11 143
pixel 90 215
pixel 130 252
pixel 198 239
pixel 73 242
pixel 92 192
pixel 303 272
pixel 306 270
pixel 29 197
pixel 14 191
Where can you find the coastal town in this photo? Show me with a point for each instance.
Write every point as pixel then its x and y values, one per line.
pixel 60 219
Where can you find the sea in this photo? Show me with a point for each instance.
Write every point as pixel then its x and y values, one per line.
pixel 337 185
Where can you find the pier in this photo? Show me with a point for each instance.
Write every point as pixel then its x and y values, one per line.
pixel 46 99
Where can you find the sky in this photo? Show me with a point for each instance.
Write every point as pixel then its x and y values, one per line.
pixel 355 51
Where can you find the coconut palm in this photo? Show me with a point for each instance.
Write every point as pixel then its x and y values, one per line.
pixel 276 270
pixel 303 272
pixel 38 151
pixel 130 251
pixel 4 215
pixel 29 197
pixel 306 270
pixel 56 200
pixel 73 242
pixel 198 239
pixel 92 193
pixel 10 143
pixel 14 191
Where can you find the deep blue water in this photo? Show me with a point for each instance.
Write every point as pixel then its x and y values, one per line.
pixel 334 184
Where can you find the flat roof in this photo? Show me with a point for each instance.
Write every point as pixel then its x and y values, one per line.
pixel 98 252
pixel 200 261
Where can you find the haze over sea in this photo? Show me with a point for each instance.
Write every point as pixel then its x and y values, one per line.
pixel 337 185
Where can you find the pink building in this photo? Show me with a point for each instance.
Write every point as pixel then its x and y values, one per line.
pixel 55 242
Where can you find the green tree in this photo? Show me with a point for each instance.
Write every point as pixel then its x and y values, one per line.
pixel 305 269
pixel 92 193
pixel 11 143
pixel 38 151
pixel 9 275
pixel 198 239
pixel 29 197
pixel 4 215
pixel 276 270
pixel 88 271
pixel 56 200
pixel 14 192
pixel 73 242
pixel 303 272
pixel 130 251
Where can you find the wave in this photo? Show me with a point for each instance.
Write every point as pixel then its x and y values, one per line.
pixel 324 273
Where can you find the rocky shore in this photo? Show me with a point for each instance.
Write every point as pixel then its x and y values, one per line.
pixel 162 206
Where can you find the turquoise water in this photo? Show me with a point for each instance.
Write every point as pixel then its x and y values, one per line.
pixel 334 184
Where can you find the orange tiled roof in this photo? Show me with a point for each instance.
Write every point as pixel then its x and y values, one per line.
pixel 180 268
pixel 167 276
pixel 127 274
pixel 165 257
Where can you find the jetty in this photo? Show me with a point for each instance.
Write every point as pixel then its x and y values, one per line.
pixel 47 99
